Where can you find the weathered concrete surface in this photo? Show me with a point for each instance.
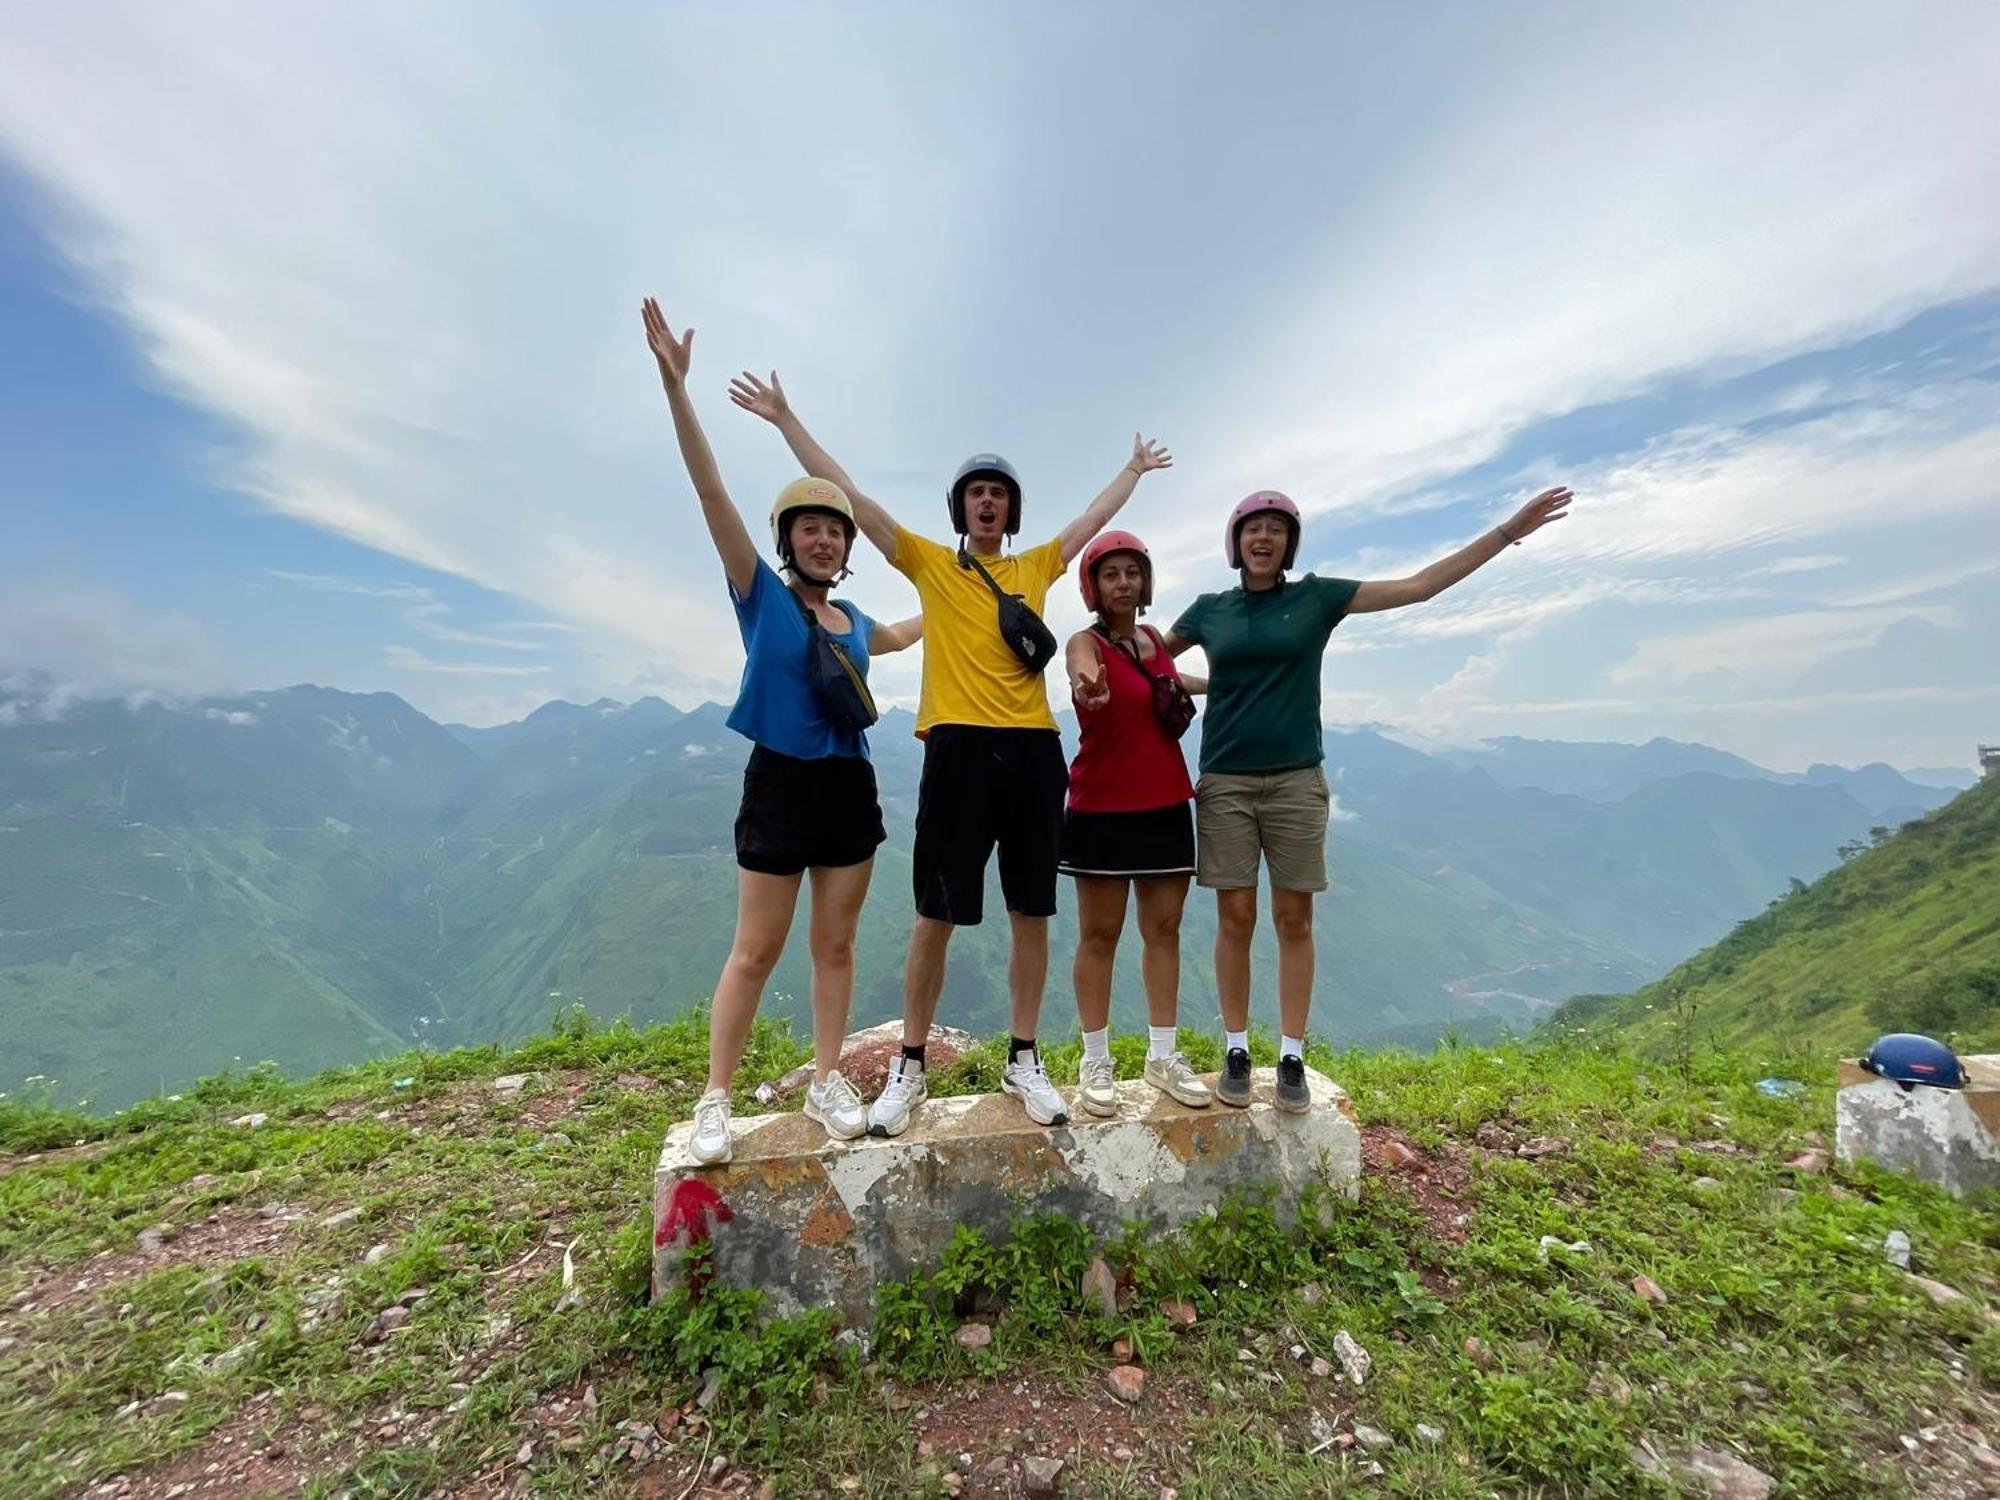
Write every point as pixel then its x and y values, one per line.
pixel 813 1222
pixel 1947 1137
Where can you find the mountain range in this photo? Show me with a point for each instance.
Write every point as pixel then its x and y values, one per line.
pixel 312 876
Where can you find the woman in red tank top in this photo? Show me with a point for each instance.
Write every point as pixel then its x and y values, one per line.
pixel 1129 825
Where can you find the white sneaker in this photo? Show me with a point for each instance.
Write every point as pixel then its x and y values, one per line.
pixel 1097 1086
pixel 1027 1081
pixel 710 1142
pixel 903 1091
pixel 837 1106
pixel 1172 1076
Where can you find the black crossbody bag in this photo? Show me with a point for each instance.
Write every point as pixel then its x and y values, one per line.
pixel 1173 704
pixel 842 690
pixel 1020 627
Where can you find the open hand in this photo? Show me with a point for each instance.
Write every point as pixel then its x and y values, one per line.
pixel 1549 505
pixel 1088 687
pixel 672 355
pixel 1148 455
pixel 767 401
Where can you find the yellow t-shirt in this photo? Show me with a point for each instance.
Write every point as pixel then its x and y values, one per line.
pixel 970 677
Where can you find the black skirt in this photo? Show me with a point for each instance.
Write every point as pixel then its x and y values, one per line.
pixel 1129 846
pixel 803 814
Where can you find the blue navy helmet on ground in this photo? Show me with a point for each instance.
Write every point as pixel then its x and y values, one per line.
pixel 974 467
pixel 1906 1058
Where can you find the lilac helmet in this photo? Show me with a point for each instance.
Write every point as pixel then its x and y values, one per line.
pixel 1261 503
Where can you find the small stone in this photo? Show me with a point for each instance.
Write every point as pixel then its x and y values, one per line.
pixel 974 1335
pixel 1041 1477
pixel 1400 1158
pixel 1987 1458
pixel 717 1467
pixel 1127 1382
pixel 1706 1184
pixel 1312 1294
pixel 1478 1353
pixel 764 1093
pixel 1353 1358
pixel 376 1255
pixel 1896 1246
pixel 954 1484
pixel 1429 1434
pixel 1121 1350
pixel 1542 1145
pixel 768 1490
pixel 1719 1475
pixel 637 1081
pixel 345 1216
pixel 1491 1137
pixel 1321 1368
pixel 1178 1311
pixel 1373 1439
pixel 1810 1162
pixel 1122 1455
pixel 389 1319
pixel 1101 1287
pixel 250 1122
pixel 510 1083
pixel 152 1241
pixel 203 1180
pixel 1609 1386
pixel 1649 1290
pixel 711 1387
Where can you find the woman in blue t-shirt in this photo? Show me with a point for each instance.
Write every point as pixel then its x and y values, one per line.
pixel 809 799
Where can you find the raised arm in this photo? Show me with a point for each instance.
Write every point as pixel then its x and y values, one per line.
pixel 725 524
pixel 768 402
pixel 1084 659
pixel 1394 593
pixel 883 640
pixel 1146 457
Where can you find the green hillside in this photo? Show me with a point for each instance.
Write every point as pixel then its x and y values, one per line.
pixel 1904 935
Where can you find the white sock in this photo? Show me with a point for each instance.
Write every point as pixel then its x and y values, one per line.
pixel 1235 1039
pixel 1292 1046
pixel 1161 1041
pixel 1097 1045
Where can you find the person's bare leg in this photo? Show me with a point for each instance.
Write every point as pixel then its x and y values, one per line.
pixel 1235 924
pixel 1292 915
pixel 1160 906
pixel 1027 970
pixel 1100 917
pixel 837 894
pixel 923 978
pixel 764 906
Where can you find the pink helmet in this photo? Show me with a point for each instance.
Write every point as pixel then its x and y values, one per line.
pixel 1261 503
pixel 1107 543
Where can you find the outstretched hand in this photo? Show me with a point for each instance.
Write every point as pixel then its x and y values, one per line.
pixel 1549 505
pixel 672 355
pixel 1088 687
pixel 1148 455
pixel 766 401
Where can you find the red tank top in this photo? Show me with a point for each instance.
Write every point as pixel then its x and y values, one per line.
pixel 1124 761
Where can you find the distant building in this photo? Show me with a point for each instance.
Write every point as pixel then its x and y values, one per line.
pixel 1989 760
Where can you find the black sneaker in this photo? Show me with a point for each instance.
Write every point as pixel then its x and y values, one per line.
pixel 1233 1087
pixel 1294 1098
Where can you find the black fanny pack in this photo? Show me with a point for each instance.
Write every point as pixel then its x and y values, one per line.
pixel 1020 627
pixel 842 690
pixel 1173 705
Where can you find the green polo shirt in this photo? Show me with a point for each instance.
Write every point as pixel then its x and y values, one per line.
pixel 1263 651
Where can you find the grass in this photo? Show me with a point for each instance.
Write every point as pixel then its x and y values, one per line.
pixel 1786 1336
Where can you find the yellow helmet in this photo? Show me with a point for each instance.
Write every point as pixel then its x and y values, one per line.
pixel 821 495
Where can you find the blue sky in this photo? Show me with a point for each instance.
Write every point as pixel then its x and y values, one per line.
pixel 322 358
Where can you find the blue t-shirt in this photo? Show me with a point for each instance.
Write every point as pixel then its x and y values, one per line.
pixel 776 706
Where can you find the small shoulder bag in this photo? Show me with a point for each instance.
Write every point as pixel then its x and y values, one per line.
pixel 842 690
pixel 1020 627
pixel 1173 705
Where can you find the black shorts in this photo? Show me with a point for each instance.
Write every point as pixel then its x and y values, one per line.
pixel 1129 845
pixel 981 787
pixel 800 814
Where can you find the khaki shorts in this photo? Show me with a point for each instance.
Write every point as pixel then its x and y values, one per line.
pixel 1278 815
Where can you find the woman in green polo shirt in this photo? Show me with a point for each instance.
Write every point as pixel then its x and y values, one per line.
pixel 1262 795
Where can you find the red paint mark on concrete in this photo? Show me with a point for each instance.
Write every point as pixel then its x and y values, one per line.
pixel 693 1210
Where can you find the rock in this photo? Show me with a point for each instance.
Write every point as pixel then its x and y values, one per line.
pixel 1321 1368
pixel 152 1241
pixel 717 1467
pixel 1429 1434
pixel 345 1216
pixel 1478 1353
pixel 764 1094
pixel 1706 1184
pixel 1542 1145
pixel 1100 1287
pixel 1610 1386
pixel 389 1319
pixel 1985 1457
pixel 1649 1290
pixel 1178 1311
pixel 1574 1247
pixel 1127 1382
pixel 250 1122
pixel 202 1180
pixel 865 1057
pixel 1121 1350
pixel 1491 1137
pixel 511 1083
pixel 1810 1162
pixel 1400 1158
pixel 1719 1475
pixel 954 1484
pixel 1353 1358
pixel 1041 1477
pixel 1896 1246
pixel 1312 1294
pixel 711 1388
pixel 974 1335
pixel 1372 1439
pixel 376 1255
pixel 640 1083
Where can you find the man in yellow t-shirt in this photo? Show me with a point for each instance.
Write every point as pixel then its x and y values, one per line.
pixel 994 773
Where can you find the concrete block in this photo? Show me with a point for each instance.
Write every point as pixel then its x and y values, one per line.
pixel 812 1222
pixel 1947 1137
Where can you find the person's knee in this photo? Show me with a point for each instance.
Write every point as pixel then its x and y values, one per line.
pixel 755 957
pixel 832 949
pixel 1294 924
pixel 1098 937
pixel 1160 929
pixel 1236 920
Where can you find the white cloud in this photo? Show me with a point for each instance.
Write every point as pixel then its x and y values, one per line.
pixel 407 659
pixel 62 644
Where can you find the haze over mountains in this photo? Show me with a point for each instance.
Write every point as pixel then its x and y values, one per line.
pixel 313 876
